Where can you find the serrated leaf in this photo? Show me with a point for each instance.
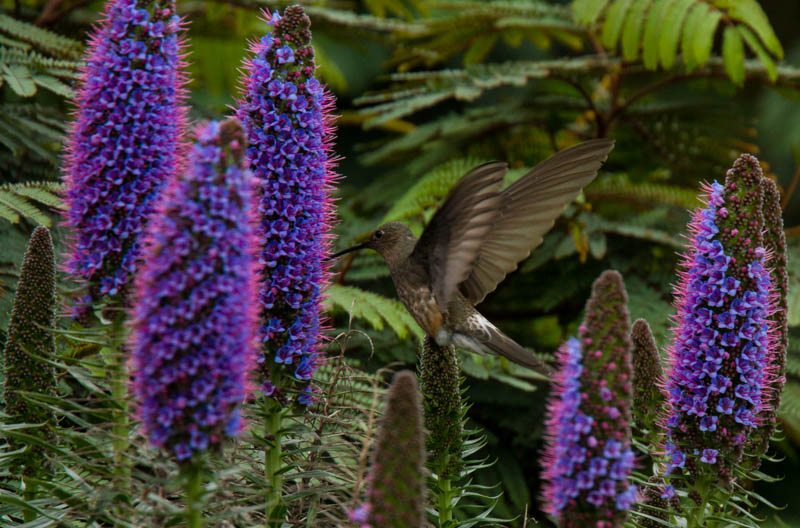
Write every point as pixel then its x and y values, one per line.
pixel 613 24
pixel 695 17
pixel 54 85
pixel 24 208
pixel 19 79
pixel 755 45
pixel 733 55
pixel 632 32
pixel 652 32
pixel 704 36
pixel 671 31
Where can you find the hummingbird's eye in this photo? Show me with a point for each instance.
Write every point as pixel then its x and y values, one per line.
pixel 378 233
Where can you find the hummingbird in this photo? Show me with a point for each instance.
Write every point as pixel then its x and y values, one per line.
pixel 479 235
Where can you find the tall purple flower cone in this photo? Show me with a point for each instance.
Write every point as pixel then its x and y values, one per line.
pixel 125 142
pixel 721 356
pixel 286 113
pixel 195 311
pixel 589 458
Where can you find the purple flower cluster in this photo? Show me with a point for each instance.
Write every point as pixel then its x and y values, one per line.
pixel 285 112
pixel 586 461
pixel 722 341
pixel 125 141
pixel 194 318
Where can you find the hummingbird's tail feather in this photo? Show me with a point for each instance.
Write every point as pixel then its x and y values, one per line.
pixel 502 345
pixel 488 339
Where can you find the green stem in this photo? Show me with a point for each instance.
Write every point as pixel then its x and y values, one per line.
pixel 119 396
pixel 30 494
pixel 445 502
pixel 194 497
pixel 273 462
pixel 698 516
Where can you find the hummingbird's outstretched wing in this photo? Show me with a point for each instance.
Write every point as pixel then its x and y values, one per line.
pixel 529 208
pixel 451 241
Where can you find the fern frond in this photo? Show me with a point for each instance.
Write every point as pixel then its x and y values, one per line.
pixel 376 309
pixel 618 187
pixel 429 190
pixel 18 200
pixel 42 39
pixel 657 28
pixel 474 28
pixel 31 57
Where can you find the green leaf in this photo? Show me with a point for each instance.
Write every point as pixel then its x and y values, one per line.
pixel 755 45
pixel 54 85
pixel 704 36
pixel 733 54
pixel 587 11
pixel 24 208
pixel 696 15
pixel 749 12
pixel 479 48
pixel 633 29
pixel 652 32
pixel 19 79
pixel 671 31
pixel 613 24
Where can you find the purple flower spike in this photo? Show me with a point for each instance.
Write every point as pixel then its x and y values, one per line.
pixel 125 141
pixel 195 314
pixel 719 381
pixel 286 113
pixel 589 456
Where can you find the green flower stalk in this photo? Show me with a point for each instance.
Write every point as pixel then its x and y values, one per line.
pixel 28 342
pixel 775 244
pixel 654 501
pixel 648 379
pixel 396 496
pixel 29 345
pixel 441 401
pixel 444 415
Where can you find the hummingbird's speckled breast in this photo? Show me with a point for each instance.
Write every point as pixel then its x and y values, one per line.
pixel 413 288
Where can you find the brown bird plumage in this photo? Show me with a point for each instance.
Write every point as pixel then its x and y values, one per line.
pixel 478 236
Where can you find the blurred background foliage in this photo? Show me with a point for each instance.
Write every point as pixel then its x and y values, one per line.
pixel 426 90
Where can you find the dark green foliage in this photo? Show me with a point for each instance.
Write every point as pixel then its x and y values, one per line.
pixel 16 201
pixel 397 482
pixel 648 380
pixel 441 401
pixel 30 344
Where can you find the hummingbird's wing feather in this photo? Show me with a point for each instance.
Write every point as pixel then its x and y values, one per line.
pixel 451 241
pixel 530 207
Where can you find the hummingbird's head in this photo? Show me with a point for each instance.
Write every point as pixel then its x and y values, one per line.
pixel 392 240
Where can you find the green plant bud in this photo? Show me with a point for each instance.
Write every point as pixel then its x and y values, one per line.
pixel 441 398
pixel 396 496
pixel 29 342
pixel 648 377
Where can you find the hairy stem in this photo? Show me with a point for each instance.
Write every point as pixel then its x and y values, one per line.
pixel 272 462
pixel 445 502
pixel 119 399
pixel 194 497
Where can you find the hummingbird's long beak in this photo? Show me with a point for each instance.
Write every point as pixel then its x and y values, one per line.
pixel 348 250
